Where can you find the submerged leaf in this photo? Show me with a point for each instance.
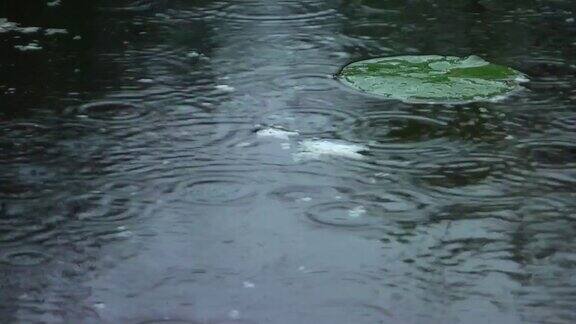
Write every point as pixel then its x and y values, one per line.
pixel 432 78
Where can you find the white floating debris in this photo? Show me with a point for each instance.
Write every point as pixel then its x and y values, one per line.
pixel 8 26
pixel 146 81
pixel 520 79
pixel 29 30
pixel 357 212
pixel 243 144
pixel 224 87
pixel 285 146
pixel 54 3
pixel 124 234
pixel 193 54
pixel 317 148
pixel 305 199
pixel 29 47
pixel 161 15
pixel 276 133
pixel 99 305
pixel 234 314
pixel 248 284
pixel 197 56
pixel 509 137
pixel 55 31
pixel 77 37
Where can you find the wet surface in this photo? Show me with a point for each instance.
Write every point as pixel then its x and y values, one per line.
pixel 196 162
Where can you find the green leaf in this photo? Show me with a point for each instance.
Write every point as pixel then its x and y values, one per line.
pixel 432 78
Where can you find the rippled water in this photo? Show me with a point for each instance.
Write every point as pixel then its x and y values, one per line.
pixel 196 162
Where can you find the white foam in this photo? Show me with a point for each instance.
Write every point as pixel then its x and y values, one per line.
pixel 197 56
pixel 276 133
pixel 317 148
pixel 54 3
pixel 234 314
pixel 248 284
pixel 224 87
pixel 55 31
pixel 193 54
pixel 522 79
pixel 146 80
pixel 29 30
pixel 357 212
pixel 7 26
pixel 100 305
pixel 28 48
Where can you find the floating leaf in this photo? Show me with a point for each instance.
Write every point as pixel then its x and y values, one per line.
pixel 432 78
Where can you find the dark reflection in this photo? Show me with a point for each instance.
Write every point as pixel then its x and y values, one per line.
pixel 59 210
pixel 196 162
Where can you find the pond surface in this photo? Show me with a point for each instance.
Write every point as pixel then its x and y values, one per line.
pixel 196 162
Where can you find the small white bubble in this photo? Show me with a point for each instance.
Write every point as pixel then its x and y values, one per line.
pixel 357 212
pixel 276 133
pixel 100 305
pixel 124 234
pixel 54 3
pixel 248 284
pixel 193 55
pixel 234 314
pixel 224 87
pixel 28 48
pixel 55 31
pixel 314 149
pixel 243 144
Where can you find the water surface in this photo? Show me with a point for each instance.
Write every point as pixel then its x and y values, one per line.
pixel 196 162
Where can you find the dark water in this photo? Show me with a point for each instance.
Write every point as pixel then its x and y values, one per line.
pixel 139 182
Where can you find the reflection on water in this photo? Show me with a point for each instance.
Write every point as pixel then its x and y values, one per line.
pixel 153 170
